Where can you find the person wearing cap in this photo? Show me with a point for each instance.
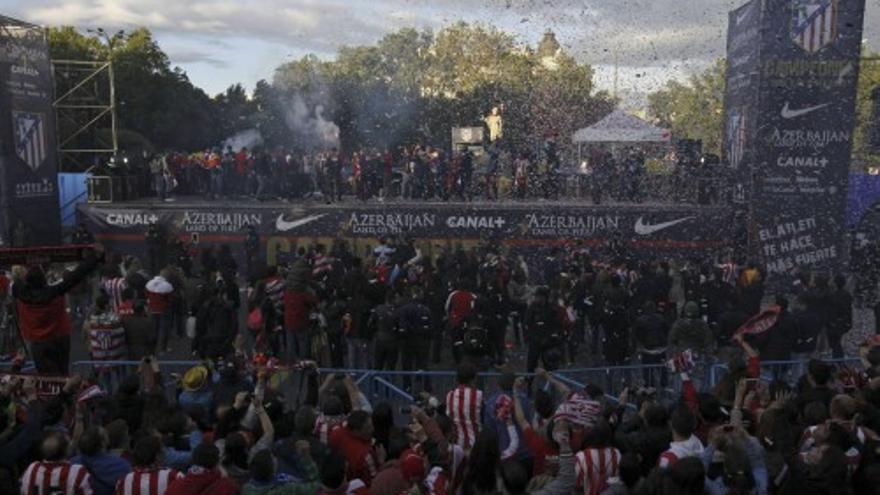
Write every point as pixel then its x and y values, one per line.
pixel 196 389
pixel 42 317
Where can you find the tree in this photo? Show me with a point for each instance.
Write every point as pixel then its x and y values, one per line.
pixel 235 111
pixel 153 99
pixel 66 43
pixel 869 79
pixel 415 86
pixel 693 109
pixel 268 116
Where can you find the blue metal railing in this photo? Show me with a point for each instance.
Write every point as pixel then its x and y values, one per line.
pixel 402 386
pixel 788 371
pixel 72 212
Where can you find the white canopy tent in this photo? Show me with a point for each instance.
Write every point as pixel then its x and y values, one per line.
pixel 621 127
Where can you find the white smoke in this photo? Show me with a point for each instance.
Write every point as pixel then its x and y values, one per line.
pixel 248 138
pixel 310 126
pixel 327 130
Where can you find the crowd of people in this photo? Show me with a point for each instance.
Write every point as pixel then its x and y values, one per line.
pixel 411 172
pixel 256 417
pixel 422 172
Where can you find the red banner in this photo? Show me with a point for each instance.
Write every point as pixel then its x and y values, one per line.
pixel 47 386
pixel 760 323
pixel 38 255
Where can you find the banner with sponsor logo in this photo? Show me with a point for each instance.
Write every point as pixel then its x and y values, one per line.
pixel 28 156
pixel 799 119
pixel 646 231
pixel 740 102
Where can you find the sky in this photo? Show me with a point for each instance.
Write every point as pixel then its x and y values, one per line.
pixel 221 42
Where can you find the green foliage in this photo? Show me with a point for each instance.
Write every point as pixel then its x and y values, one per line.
pixel 416 86
pixel 410 86
pixel 153 99
pixel 693 109
pixel 869 79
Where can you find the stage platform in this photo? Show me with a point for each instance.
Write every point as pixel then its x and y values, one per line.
pixel 646 228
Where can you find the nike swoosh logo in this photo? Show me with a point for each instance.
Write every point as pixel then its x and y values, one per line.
pixel 788 113
pixel 646 229
pixel 284 225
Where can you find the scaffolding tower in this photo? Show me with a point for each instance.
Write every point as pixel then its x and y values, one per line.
pixel 85 107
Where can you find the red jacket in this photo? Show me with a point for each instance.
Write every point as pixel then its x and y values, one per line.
pixel 43 321
pixel 363 463
pixel 297 306
pixel 42 315
pixel 158 295
pixel 208 483
pixel 459 306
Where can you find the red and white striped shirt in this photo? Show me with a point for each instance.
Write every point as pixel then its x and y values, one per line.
pixel 324 426
pixel 464 407
pixel 594 467
pixel 51 478
pixel 147 481
pixel 114 288
pixel 106 337
pixel 728 273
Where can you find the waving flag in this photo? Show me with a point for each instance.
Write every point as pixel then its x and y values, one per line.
pixel 760 323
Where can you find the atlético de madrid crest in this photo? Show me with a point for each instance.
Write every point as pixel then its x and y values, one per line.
pixel 814 23
pixel 29 135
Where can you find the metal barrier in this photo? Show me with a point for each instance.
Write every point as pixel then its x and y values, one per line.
pixel 787 371
pixel 405 387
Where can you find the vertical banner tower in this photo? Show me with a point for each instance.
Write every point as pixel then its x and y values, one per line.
pixel 29 211
pixel 792 76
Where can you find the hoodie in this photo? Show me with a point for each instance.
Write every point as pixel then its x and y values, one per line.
pixel 199 481
pixel 691 333
pixel 679 450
